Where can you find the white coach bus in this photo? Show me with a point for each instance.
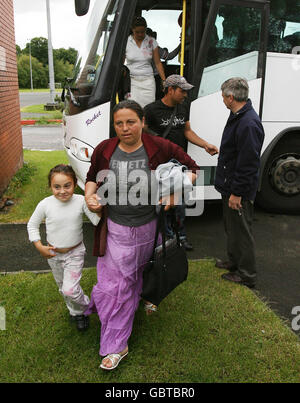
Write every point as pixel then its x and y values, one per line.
pixel 256 39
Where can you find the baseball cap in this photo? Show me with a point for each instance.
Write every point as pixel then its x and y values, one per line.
pixel 176 80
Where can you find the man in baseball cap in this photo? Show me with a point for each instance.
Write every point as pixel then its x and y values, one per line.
pixel 177 81
pixel 169 117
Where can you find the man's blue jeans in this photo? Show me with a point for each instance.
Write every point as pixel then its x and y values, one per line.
pixel 179 212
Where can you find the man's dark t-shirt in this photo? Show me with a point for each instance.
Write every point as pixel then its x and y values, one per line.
pixel 158 116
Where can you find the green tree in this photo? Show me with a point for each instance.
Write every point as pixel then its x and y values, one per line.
pixel 18 50
pixel 64 60
pixel 39 49
pixel 39 73
pixel 67 55
pixel 62 70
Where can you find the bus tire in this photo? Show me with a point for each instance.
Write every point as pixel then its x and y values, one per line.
pixel 280 186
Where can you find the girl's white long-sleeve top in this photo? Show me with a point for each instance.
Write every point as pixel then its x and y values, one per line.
pixel 63 221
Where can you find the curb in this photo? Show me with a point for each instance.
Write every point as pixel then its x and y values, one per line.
pixel 33 122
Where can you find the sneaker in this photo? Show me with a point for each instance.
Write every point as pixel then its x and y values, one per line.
pixel 187 245
pixel 82 321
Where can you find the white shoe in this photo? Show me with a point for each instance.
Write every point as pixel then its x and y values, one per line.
pixel 114 359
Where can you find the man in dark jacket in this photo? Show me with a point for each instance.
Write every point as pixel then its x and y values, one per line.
pixel 237 180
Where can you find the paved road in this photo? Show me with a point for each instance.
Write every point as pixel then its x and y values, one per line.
pixel 34 98
pixel 42 137
pixel 277 248
pixel 37 137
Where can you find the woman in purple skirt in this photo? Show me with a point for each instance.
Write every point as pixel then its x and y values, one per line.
pixel 119 184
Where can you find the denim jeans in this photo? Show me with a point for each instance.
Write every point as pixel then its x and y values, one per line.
pixel 179 212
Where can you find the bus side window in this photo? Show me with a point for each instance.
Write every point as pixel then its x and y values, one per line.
pixel 284 26
pixel 293 40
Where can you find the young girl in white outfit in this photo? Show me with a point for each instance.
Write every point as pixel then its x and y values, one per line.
pixel 63 213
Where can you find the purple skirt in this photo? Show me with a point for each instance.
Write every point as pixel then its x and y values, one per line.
pixel 116 295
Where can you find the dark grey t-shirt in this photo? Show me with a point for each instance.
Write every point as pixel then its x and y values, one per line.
pixel 131 178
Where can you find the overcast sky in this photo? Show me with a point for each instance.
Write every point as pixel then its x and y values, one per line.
pixel 67 29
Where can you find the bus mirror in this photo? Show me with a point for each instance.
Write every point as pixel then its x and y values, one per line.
pixel 82 7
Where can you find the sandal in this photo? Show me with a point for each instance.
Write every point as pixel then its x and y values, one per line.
pixel 114 359
pixel 150 308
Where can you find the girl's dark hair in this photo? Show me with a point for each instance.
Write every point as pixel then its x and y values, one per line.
pixel 128 104
pixel 138 22
pixel 62 169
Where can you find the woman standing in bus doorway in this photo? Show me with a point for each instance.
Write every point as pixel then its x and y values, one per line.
pixel 140 51
pixel 130 226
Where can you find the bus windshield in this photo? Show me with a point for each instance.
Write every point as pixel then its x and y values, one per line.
pixel 92 54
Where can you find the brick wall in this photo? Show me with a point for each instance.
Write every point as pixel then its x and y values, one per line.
pixel 11 150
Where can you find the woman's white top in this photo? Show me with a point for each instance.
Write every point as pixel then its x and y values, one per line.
pixel 138 60
pixel 63 221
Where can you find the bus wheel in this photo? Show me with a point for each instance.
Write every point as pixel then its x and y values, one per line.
pixel 280 189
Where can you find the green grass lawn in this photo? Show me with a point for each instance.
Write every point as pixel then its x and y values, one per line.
pixel 207 330
pixel 35 109
pixel 28 192
pixel 57 114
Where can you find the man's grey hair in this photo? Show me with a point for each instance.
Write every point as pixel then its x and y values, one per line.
pixel 236 86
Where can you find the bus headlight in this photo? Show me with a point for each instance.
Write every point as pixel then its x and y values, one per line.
pixel 81 150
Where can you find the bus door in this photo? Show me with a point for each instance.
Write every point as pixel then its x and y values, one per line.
pixel 166 30
pixel 233 44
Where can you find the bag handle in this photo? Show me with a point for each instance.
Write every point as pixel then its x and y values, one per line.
pixel 160 227
pixel 163 232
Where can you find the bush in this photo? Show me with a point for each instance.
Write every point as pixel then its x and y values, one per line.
pixel 58 100
pixel 21 178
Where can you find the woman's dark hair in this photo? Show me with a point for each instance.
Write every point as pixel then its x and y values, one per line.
pixel 62 169
pixel 128 104
pixel 138 22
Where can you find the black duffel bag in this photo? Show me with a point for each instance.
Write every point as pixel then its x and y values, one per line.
pixel 168 266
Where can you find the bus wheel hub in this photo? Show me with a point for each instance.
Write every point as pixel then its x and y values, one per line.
pixel 286 175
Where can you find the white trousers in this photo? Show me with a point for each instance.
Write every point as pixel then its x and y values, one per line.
pixel 142 90
pixel 67 272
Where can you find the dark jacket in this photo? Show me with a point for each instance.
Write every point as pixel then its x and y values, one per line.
pixel 239 157
pixel 159 151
